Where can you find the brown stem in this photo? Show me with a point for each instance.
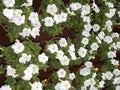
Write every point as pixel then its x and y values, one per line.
pixel 3 28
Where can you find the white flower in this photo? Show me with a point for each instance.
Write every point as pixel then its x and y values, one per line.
pixel 96 27
pixel 98 40
pixel 71 76
pixel 85 41
pixel 116 72
pixel 82 52
pixel 71 48
pixel 85 71
pixel 95 8
pixel 107 76
pixel 94 46
pixel 73 56
pixel 101 35
pixel 111 13
pixel 63 85
pixel 26 32
pixel 51 9
pixel 5 87
pixel 85 9
pixel 109 4
pixel 27 77
pixel 115 35
pixel 101 84
pixel 64 60
pixel 53 48
pixel 35 32
pixel 42 58
pixel 83 88
pixel 86 19
pixel 34 19
pixel 93 88
pixel 29 3
pixel 88 27
pixel 60 54
pixel 75 6
pixel 10 71
pixel 9 3
pixel 111 54
pixel 116 80
pixel 92 81
pixel 108 39
pixel 49 22
pixel 61 73
pixel 88 64
pixel 63 17
pixel 118 45
pixel 8 13
pixel 57 18
pixel 87 83
pixel 114 62
pixel 63 42
pixel 17 47
pixel 24 58
pixel 36 86
pixel 85 33
pixel 35 68
pixel 118 13
pixel 117 87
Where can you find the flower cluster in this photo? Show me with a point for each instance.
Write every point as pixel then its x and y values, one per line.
pixel 68 63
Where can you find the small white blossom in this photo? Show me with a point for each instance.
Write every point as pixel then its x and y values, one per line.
pixel 85 9
pixel 108 39
pixel 8 13
pixel 42 58
pixel 28 3
pixel 101 35
pixel 9 3
pixel 118 13
pixel 61 73
pixel 85 41
pixel 93 88
pixel 10 71
pixel 95 8
pixel 24 58
pixel 26 32
pixel 63 42
pixel 51 9
pixel 96 27
pixel 63 17
pixel 94 46
pixel 60 54
pixel 88 64
pixel 109 4
pixel 71 76
pixel 117 87
pixel 115 35
pixel 75 6
pixel 88 27
pixel 116 80
pixel 82 52
pixel 64 60
pixel 85 71
pixel 5 87
pixel 101 84
pixel 107 76
pixel 49 22
pixel 36 86
pixel 53 48
pixel 35 32
pixel 17 47
pixel 111 54
pixel 114 62
pixel 86 19
pixel 86 33
pixel 83 88
pixel 118 45
pixel 116 72
pixel 63 85
pixel 111 13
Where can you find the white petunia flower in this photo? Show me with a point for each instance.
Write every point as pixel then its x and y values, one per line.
pixel 5 87
pixel 107 76
pixel 82 52
pixel 85 71
pixel 35 32
pixel 63 17
pixel 60 54
pixel 8 13
pixel 75 6
pixel 26 32
pixel 24 58
pixel 114 62
pixel 94 46
pixel 101 35
pixel 86 33
pixel 116 72
pixel 93 88
pixel 111 54
pixel 109 4
pixel 101 84
pixel 117 87
pixel 64 60
pixel 108 39
pixel 28 3
pixel 111 13
pixel 36 86
pixel 85 9
pixel 95 8
pixel 88 27
pixel 53 48
pixel 9 3
pixel 71 48
pixel 86 19
pixel 85 41
pixel 118 45
pixel 51 9
pixel 71 76
pixel 42 58
pixel 63 42
pixel 63 85
pixel 118 13
pixel 49 22
pixel 10 71
pixel 88 64
pixel 17 47
pixel 96 27
pixel 73 56
pixel 116 80
pixel 115 35
pixel 83 88
pixel 61 73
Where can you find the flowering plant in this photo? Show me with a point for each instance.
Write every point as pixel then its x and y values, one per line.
pixel 62 61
